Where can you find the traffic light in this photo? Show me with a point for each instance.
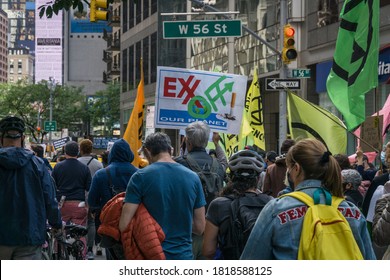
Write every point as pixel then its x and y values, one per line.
pixel 289 53
pixel 98 10
pixel 38 129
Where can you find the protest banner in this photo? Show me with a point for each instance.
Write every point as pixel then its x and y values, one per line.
pixel 184 96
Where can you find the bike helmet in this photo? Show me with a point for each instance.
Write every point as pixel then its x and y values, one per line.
pixel 246 163
pixel 12 123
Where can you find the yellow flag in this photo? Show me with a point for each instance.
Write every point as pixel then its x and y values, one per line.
pixel 254 114
pixel 307 120
pixel 133 133
pixel 231 144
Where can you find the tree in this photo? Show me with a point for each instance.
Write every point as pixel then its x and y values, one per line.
pixel 103 108
pixel 32 103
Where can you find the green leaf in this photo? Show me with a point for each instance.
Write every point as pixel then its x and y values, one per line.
pixel 67 4
pixel 75 4
pixel 80 7
pixel 55 8
pixel 49 12
pixel 42 12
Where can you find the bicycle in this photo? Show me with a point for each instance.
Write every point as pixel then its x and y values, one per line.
pixel 47 247
pixel 65 246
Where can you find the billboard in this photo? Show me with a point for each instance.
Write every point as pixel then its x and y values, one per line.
pixel 48 46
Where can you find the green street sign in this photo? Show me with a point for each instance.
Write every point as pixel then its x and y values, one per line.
pixel 300 73
pixel 201 28
pixel 50 126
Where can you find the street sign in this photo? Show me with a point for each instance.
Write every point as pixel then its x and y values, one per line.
pixel 201 28
pixel 299 73
pixel 50 126
pixel 275 84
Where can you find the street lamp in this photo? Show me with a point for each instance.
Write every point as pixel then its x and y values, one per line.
pixel 52 85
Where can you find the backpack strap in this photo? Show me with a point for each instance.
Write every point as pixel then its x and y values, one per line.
pixel 301 196
pixel 193 165
pixel 309 201
pixel 214 166
pixel 90 160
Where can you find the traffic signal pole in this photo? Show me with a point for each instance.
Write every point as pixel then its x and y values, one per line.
pixel 282 75
pixel 283 68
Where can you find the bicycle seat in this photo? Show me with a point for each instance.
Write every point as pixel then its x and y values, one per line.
pixel 76 230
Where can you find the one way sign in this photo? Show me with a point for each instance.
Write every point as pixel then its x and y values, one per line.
pixel 275 84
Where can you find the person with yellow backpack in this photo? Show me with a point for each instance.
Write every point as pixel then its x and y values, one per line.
pixel 314 221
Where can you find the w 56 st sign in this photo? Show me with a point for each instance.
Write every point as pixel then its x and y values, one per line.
pixel 184 96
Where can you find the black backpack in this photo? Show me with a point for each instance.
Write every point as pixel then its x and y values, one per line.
pixel 114 189
pixel 209 177
pixel 237 228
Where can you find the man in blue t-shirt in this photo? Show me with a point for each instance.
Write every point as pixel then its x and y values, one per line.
pixel 171 193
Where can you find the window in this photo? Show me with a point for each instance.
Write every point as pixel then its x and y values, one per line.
pixel 131 13
pixel 138 60
pixel 145 57
pixel 153 8
pixel 138 8
pixel 131 67
pixel 124 70
pixel 125 8
pixel 328 12
pixel 11 66
pixel 19 66
pixel 153 58
pixel 146 9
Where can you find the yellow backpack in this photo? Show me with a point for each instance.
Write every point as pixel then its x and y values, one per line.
pixel 326 234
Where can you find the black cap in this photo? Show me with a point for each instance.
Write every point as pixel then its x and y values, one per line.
pixel 72 148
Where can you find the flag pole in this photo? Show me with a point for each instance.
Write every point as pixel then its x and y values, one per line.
pixel 364 141
pixel 379 129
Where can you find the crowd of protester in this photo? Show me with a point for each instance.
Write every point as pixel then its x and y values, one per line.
pixel 182 204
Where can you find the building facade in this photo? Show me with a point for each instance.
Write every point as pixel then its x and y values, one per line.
pixel 3 46
pixel 21 20
pixel 83 48
pixel 20 66
pixel 111 55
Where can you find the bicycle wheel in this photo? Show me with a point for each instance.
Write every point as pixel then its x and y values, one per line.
pixel 62 251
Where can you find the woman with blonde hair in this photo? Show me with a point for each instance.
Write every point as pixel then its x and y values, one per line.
pixel 312 169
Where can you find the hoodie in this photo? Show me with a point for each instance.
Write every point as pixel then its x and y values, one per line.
pixel 274 178
pixel 120 169
pixel 27 198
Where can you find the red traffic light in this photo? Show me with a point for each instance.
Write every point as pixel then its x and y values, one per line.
pixel 289 31
pixel 38 128
pixel 289 52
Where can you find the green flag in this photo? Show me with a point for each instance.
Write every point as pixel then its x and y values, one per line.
pixel 355 65
pixel 307 120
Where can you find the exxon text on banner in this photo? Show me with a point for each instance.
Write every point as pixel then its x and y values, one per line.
pixel 184 96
